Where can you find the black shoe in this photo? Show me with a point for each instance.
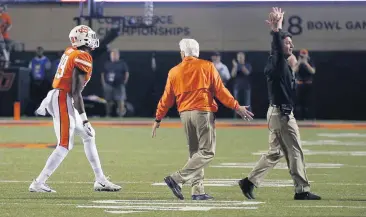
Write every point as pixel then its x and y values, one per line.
pixel 247 188
pixel 306 196
pixel 176 189
pixel 202 197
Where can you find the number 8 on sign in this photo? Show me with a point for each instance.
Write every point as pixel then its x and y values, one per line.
pixel 295 25
pixel 61 66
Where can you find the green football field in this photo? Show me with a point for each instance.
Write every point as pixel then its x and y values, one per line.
pixel 335 164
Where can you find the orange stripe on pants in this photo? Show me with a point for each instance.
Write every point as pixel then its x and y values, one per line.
pixel 64 119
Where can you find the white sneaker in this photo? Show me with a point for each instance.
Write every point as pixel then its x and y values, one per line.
pixel 106 186
pixel 40 187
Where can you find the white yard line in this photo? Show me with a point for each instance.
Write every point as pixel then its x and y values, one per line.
pixel 69 182
pixel 38 204
pixel 169 202
pixel 129 206
pixel 208 182
pixel 169 208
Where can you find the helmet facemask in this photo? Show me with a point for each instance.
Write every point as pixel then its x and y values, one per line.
pixel 92 40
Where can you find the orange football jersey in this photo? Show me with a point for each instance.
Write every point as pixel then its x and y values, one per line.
pixel 70 59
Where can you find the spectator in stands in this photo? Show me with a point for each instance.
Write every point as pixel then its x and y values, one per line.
pixel 220 67
pixel 304 73
pixel 5 25
pixel 114 80
pixel 242 85
pixel 40 82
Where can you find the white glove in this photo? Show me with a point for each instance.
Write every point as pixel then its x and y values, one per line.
pixel 88 129
pixel 87 126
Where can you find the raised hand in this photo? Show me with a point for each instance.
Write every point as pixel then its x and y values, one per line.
pixel 275 18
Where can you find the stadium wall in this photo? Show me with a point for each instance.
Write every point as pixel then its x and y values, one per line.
pixel 339 83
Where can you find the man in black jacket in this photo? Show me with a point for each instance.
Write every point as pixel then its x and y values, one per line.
pixel 284 136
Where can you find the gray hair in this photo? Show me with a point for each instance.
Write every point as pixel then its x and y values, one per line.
pixel 190 47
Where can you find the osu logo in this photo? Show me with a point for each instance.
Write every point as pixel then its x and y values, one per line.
pixel 6 81
pixel 84 29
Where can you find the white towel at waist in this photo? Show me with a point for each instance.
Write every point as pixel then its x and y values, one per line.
pixel 46 105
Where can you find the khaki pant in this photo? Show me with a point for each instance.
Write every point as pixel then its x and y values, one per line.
pixel 199 127
pixel 284 140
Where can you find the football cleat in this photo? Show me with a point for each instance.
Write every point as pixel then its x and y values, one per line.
pixel 40 187
pixel 176 189
pixel 202 197
pixel 106 185
pixel 247 188
pixel 306 196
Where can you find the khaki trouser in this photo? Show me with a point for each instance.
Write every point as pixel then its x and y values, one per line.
pixel 199 127
pixel 284 140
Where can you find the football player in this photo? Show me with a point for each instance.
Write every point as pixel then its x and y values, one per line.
pixel 65 104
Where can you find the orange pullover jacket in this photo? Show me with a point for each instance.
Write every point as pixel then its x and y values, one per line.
pixel 193 84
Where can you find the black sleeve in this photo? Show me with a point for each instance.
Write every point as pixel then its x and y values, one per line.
pixel 278 56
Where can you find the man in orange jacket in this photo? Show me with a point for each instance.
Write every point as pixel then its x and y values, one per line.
pixel 193 84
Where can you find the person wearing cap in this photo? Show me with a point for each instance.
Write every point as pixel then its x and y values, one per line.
pixel 241 74
pixel 220 67
pixel 193 84
pixel 284 136
pixel 304 72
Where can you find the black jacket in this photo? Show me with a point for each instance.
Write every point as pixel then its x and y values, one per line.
pixel 280 78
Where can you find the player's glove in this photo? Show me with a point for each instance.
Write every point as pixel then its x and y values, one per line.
pixel 87 126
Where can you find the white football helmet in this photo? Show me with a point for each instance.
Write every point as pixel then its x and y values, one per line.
pixel 83 35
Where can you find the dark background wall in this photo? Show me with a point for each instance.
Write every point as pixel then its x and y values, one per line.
pixel 339 84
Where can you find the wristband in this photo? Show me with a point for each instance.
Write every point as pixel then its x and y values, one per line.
pixel 157 121
pixel 83 117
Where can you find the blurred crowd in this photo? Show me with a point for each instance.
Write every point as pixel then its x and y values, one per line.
pixel 115 75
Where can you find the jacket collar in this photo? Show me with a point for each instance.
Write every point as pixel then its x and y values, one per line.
pixel 189 58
